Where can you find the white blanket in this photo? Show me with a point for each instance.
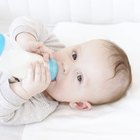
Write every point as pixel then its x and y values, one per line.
pixel 120 120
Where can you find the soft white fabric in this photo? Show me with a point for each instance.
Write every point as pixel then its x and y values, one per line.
pixel 115 121
pixel 87 11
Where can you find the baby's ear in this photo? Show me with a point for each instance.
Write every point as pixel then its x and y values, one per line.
pixel 80 105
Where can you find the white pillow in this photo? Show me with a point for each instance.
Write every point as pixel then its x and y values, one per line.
pixel 119 120
pixel 126 35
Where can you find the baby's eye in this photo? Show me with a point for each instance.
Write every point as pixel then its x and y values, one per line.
pixel 79 78
pixel 74 55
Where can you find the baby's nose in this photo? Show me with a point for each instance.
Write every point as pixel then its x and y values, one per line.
pixel 66 68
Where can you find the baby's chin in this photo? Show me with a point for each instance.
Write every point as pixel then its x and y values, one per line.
pixel 53 86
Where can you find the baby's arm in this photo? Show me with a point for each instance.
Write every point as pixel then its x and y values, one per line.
pixel 25 32
pixel 16 108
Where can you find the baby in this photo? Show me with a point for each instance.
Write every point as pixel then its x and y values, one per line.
pixel 92 73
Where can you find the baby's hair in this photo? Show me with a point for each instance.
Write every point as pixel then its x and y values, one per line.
pixel 122 71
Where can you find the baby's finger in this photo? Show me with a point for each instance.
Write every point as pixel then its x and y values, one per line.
pixel 43 72
pixel 37 72
pixel 45 50
pixel 33 46
pixel 30 72
pixel 46 57
pixel 51 53
pixel 48 76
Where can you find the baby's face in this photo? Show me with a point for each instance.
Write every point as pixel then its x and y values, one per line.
pixel 83 72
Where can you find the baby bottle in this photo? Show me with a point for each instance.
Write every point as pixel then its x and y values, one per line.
pixel 14 60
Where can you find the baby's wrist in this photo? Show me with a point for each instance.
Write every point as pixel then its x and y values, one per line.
pixel 25 40
pixel 18 89
pixel 25 36
pixel 27 92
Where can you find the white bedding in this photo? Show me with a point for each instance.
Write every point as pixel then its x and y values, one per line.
pixel 120 120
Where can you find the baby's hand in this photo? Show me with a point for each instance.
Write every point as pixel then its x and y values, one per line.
pixel 39 48
pixel 37 80
pixel 29 43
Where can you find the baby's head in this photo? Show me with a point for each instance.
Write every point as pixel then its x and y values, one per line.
pixel 91 73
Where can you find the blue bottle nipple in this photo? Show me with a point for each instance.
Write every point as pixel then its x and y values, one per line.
pixel 2 43
pixel 53 67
